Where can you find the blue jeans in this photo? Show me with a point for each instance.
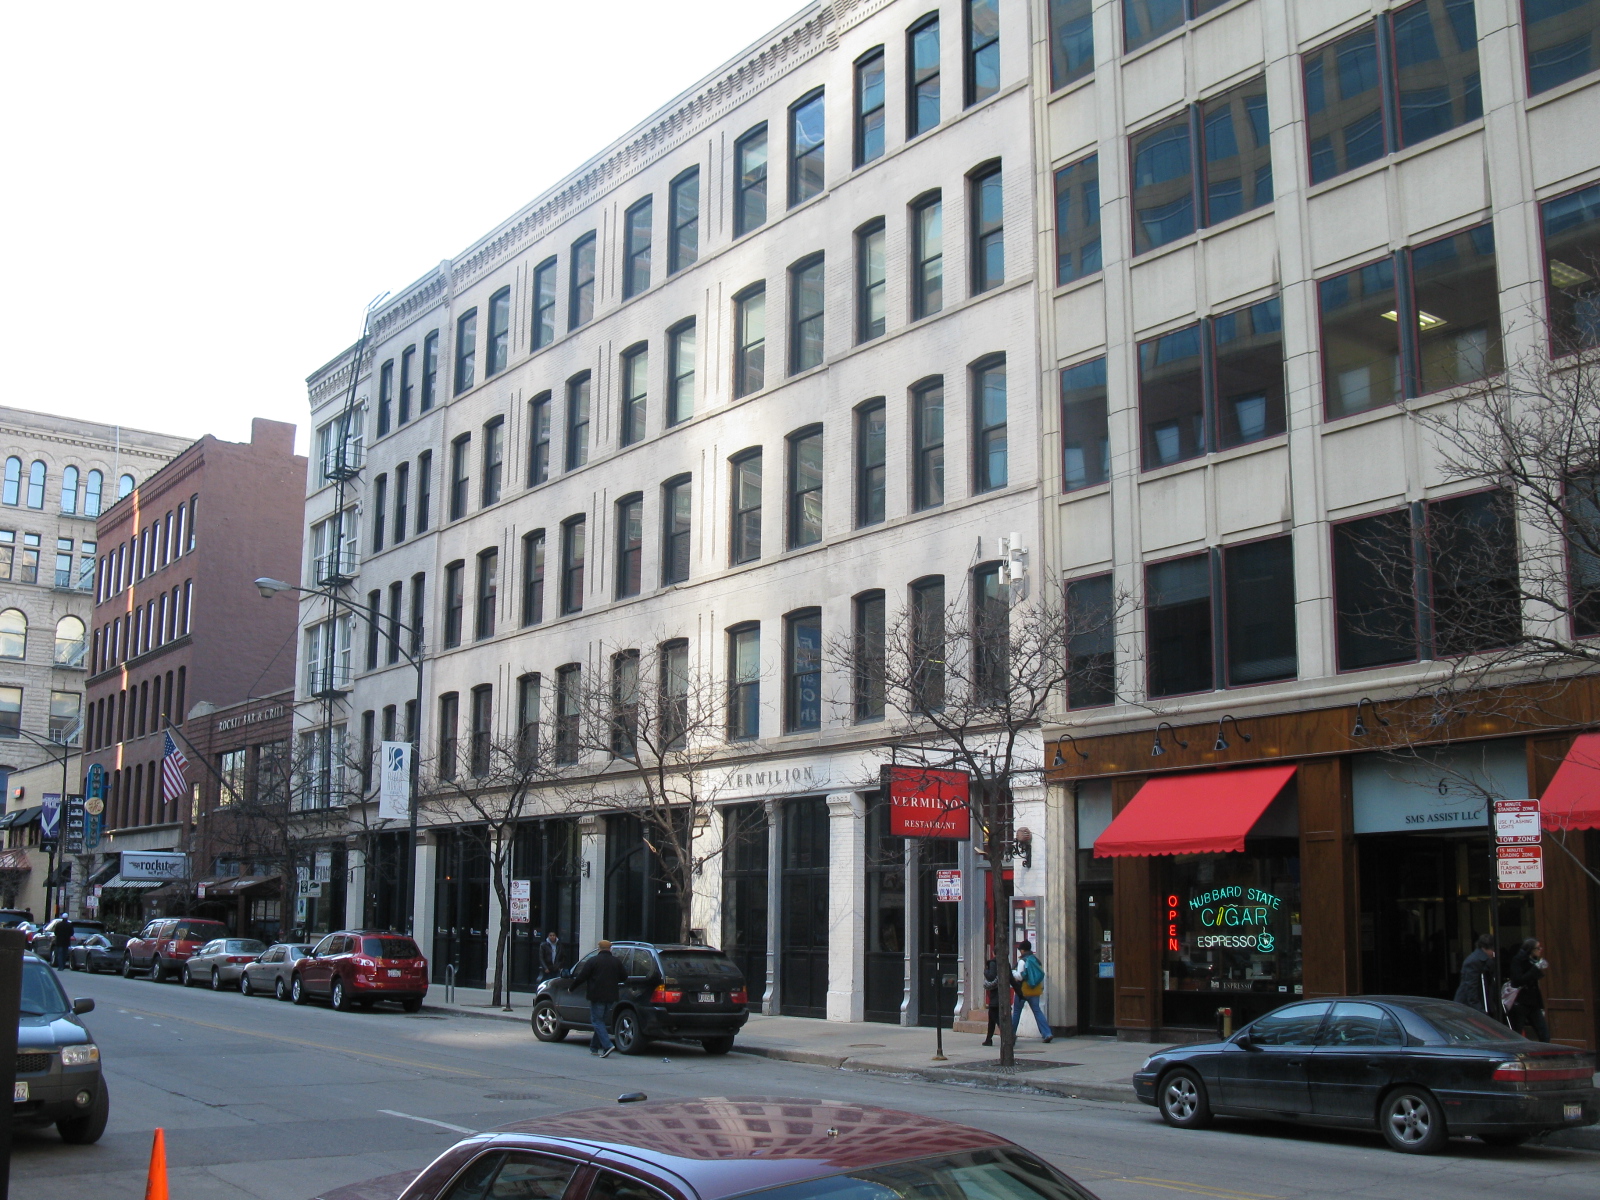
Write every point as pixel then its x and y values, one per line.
pixel 600 1018
pixel 1038 1013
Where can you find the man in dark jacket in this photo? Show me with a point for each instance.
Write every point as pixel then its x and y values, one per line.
pixel 1478 989
pixel 60 931
pixel 605 974
pixel 550 957
pixel 1527 969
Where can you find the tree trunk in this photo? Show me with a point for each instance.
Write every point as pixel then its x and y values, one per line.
pixel 994 852
pixel 498 868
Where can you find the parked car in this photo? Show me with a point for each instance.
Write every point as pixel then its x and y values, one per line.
pixel 58 1064
pixel 44 944
pixel 97 952
pixel 270 972
pixel 1418 1069
pixel 221 962
pixel 684 993
pixel 717 1149
pixel 11 918
pixel 358 967
pixel 165 943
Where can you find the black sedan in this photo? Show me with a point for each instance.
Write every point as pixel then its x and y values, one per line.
pixel 1421 1070
pixel 97 952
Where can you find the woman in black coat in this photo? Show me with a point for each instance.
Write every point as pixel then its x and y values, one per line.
pixel 1527 970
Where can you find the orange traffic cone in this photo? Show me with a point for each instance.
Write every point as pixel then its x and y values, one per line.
pixel 155 1187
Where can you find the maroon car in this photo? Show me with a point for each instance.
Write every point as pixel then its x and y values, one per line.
pixel 166 943
pixel 358 967
pixel 717 1148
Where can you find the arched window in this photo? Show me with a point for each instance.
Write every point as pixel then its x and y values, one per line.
pixel 13 634
pixel 124 486
pixel 13 492
pixel 69 490
pixel 36 474
pixel 70 643
pixel 91 494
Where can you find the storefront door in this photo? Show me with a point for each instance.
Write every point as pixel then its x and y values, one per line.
pixel 885 916
pixel 461 907
pixel 641 903
pixel 547 855
pixel 1097 984
pixel 938 935
pixel 744 894
pixel 804 976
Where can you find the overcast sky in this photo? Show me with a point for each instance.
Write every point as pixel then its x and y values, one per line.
pixel 201 198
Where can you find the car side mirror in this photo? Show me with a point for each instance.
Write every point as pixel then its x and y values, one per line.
pixel 81 1005
pixel 1244 1042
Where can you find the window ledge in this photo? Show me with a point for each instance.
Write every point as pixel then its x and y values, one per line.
pixel 1561 90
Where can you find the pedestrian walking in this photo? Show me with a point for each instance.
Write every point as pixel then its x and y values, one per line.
pixel 60 931
pixel 549 957
pixel 1029 977
pixel 991 993
pixel 1526 997
pixel 1477 989
pixel 604 973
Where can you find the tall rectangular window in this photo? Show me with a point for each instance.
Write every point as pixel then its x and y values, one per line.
pixel 869 106
pixel 449 731
pixel 1085 438
pixel 637 229
pixel 1236 155
pixel 927 239
pixel 488 593
pixel 459 476
pixel 1571 226
pixel 1178 632
pixel 872 286
pixel 1475 597
pixel 396 617
pixel 1559 39
pixel 499 332
pixel 1360 339
pixel 991 640
pixel 544 303
pixel 454 600
pixel 402 490
pixel 673 658
pixel 539 439
pixel 805 488
pixel 1375 590
pixel 922 76
pixel 872 472
pixel 424 488
pixel 568 714
pixel 987 202
pixel 635 385
pixel 676 513
pixel 380 517
pixel 494 459
pixel 374 628
pixel 577 421
pixel 482 728
pixel 408 380
pixel 982 19
pixel 533 577
pixel 1071 41
pixel 805 315
pixel 927 649
pixel 750 346
pixel 806 148
pixel 624 715
pixel 466 350
pixel 572 556
pixel 927 416
pixel 528 715
pixel 1091 643
pixel 1455 288
pixel 990 465
pixel 580 292
pixel 1172 398
pixel 430 371
pixel 744 683
pixel 1258 607
pixel 750 181
pixel 803 672
pixel 683 204
pixel 680 371
pixel 1163 184
pixel 871 657
pixel 1078 220
pixel 630 546
pixel 419 600
pixel 385 401
pixel 745 542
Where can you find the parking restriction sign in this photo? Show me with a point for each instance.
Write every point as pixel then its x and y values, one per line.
pixel 1516 823
pixel 1519 868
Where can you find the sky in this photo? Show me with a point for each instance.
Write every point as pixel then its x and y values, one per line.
pixel 202 198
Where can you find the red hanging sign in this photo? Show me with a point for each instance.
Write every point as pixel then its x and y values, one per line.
pixel 926 802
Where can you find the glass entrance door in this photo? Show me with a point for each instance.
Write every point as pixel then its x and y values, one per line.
pixel 1097 953
pixel 548 855
pixel 885 917
pixel 804 977
pixel 461 907
pixel 938 935
pixel 744 894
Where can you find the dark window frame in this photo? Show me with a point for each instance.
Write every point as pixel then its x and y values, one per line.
pixel 543 326
pixel 872 477
pixel 574 536
pixel 1095 646
pixel 799 715
pixel 634 405
pixel 539 438
pixel 746 350
pixel 582 280
pixel 629 567
pixel 460 475
pixel 872 292
pixel 455 598
pixel 1064 17
pixel 801 319
pixel 925 450
pixel 488 597
pixel 868 130
pixel 430 372
pixel 799 160
pixel 466 351
pixel 981 234
pixel 974 46
pixel 580 415
pixel 916 79
pixel 744 695
pixel 982 478
pixel 636 256
pixel 534 562
pixel 738 511
pixel 870 640
pixel 797 496
pixel 744 187
pixel 680 253
pixel 498 347
pixel 681 383
pixel 677 544
pixel 926 300
pixel 1087 251
pixel 493 461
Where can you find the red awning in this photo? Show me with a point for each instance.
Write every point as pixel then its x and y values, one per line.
pixel 1572 801
pixel 1208 812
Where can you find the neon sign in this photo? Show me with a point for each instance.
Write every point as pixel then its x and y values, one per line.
pixel 1240 916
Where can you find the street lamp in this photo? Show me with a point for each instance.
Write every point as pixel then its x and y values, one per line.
pixel 269 587
pixel 66 756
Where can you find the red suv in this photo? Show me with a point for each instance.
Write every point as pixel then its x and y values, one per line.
pixel 360 967
pixel 165 945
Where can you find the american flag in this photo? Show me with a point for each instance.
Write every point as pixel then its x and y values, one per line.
pixel 173 764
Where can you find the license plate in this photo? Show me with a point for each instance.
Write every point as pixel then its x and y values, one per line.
pixel 393 973
pixel 19 1093
pixel 708 997
pixel 1569 1112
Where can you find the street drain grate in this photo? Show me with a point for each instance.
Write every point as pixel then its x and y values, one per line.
pixel 994 1065
pixel 513 1096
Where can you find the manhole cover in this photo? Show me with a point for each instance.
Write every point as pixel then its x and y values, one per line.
pixel 513 1096
pixel 866 1046
pixel 994 1065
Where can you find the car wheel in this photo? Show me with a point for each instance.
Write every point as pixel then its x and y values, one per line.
pixel 625 1032
pixel 339 998
pixel 1181 1096
pixel 156 969
pixel 72 965
pixel 297 991
pixel 1412 1121
pixel 547 1026
pixel 216 980
pixel 717 1045
pixel 81 1131
pixel 244 984
pixel 412 1004
pixel 186 977
pixel 127 967
pixel 280 989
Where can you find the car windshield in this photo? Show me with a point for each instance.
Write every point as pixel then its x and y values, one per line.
pixel 196 931
pixel 41 991
pixel 389 947
pixel 700 963
pixel 1460 1025
pixel 979 1175
pixel 245 946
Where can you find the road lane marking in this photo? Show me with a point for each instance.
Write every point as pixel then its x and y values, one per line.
pixel 389 1112
pixel 1201 1189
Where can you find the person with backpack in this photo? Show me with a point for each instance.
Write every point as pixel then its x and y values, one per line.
pixel 1028 976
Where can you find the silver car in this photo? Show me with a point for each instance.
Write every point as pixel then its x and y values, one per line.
pixel 270 972
pixel 221 962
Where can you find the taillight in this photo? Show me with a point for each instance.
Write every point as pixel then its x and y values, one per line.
pixel 1510 1072
pixel 237 958
pixel 365 963
pixel 172 947
pixel 738 996
pixel 1521 1072
pixel 662 996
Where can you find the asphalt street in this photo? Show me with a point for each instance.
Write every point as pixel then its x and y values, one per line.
pixel 263 1099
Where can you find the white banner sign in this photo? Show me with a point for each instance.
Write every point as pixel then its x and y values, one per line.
pixel 394 782
pixel 521 893
pixel 151 864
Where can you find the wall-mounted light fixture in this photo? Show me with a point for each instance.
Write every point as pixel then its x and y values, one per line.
pixel 1222 742
pixel 1157 749
pixel 1360 729
pixel 1067 737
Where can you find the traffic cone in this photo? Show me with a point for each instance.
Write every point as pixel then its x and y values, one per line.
pixel 155 1187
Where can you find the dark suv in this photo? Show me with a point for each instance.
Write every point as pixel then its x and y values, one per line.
pixel 58 1064
pixel 683 993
